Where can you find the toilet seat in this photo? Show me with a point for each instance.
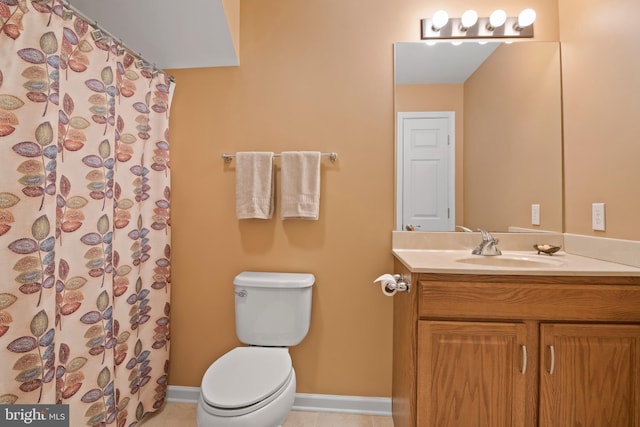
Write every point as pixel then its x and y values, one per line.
pixel 246 379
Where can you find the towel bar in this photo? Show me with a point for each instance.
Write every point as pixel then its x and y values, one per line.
pixel 333 156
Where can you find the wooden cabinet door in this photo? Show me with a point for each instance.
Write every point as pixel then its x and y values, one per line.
pixel 471 374
pixel 590 375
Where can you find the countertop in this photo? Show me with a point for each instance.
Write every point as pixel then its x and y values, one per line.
pixel 527 263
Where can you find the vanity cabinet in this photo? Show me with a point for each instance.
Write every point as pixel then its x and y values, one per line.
pixel 517 351
pixel 471 373
pixel 590 375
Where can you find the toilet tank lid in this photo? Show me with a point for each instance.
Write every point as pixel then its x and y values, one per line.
pixel 259 279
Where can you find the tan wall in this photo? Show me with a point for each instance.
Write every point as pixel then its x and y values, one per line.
pixel 441 97
pixel 232 12
pixel 513 139
pixel 601 68
pixel 315 75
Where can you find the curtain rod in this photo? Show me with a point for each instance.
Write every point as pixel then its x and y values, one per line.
pixel 146 64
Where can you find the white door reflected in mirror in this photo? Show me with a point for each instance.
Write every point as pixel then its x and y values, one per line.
pixel 426 175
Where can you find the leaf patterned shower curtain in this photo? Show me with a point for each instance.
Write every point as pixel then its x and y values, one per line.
pixel 84 220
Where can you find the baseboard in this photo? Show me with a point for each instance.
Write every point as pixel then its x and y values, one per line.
pixel 305 402
pixel 345 404
pixel 182 394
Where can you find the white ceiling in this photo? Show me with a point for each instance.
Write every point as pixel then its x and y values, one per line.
pixel 169 34
pixel 440 63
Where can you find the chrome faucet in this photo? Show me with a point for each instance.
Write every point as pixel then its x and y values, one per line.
pixel 489 245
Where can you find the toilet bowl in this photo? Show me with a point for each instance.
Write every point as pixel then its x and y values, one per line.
pixel 248 387
pixel 255 386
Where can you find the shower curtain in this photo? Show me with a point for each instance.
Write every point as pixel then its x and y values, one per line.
pixel 84 219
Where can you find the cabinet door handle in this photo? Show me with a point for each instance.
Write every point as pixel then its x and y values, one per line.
pixel 552 353
pixel 524 359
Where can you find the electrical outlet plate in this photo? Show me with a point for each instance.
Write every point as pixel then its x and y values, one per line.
pixel 597 216
pixel 535 214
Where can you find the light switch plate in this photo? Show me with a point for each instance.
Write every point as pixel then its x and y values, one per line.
pixel 597 216
pixel 535 214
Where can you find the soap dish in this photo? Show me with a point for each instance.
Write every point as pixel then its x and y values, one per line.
pixel 547 249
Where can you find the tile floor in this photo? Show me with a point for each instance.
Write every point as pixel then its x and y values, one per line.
pixel 184 415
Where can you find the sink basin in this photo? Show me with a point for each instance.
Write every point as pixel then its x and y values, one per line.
pixel 511 261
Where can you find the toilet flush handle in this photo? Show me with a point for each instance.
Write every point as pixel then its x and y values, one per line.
pixel 242 293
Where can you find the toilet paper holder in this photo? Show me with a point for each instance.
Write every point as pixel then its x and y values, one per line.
pixel 393 283
pixel 401 284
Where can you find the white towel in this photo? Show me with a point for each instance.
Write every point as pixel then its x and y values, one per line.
pixel 254 185
pixel 300 185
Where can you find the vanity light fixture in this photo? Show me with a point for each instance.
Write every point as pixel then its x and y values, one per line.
pixel 525 19
pixel 468 19
pixel 497 25
pixel 497 19
pixel 439 20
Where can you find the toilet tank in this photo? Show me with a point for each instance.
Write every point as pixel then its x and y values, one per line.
pixel 272 309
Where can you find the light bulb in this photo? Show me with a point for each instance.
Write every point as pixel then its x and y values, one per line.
pixel 469 19
pixel 526 18
pixel 497 18
pixel 439 20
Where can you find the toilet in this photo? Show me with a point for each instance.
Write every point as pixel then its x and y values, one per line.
pixel 255 385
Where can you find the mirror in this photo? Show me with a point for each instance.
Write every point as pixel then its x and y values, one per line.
pixel 507 132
